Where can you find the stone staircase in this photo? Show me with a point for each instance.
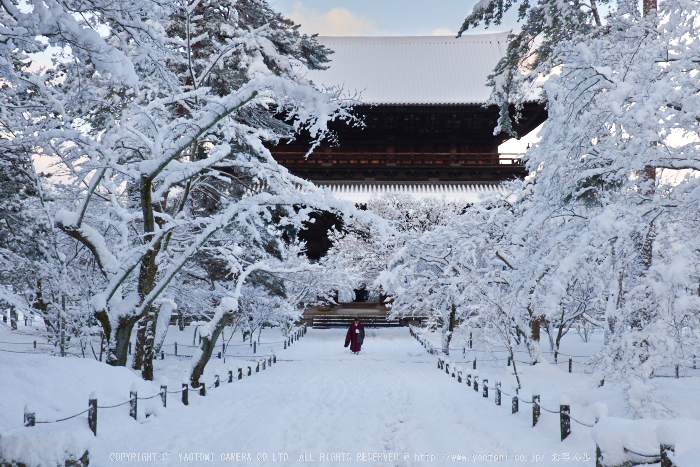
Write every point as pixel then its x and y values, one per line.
pixel 327 321
pixel 371 314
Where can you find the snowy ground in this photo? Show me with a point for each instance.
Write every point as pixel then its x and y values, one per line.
pixel 319 404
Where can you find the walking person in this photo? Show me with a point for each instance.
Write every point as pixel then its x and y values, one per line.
pixel 355 336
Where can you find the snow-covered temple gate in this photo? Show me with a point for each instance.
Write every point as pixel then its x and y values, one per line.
pixel 427 130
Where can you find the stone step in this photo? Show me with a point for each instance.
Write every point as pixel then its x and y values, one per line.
pixel 360 305
pixel 337 321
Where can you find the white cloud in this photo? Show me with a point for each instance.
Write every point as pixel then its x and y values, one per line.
pixel 336 22
pixel 443 32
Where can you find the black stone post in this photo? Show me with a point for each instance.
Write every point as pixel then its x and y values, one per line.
pixel 164 394
pixel 255 347
pixel 185 394
pixel 217 381
pixel 29 416
pixel 476 383
pixel 133 400
pixel 176 349
pixel 230 375
pixel 565 420
pixel 474 364
pixel 665 450
pixel 285 344
pixel 515 402
pixel 264 364
pixel 459 376
pixel 497 397
pixel 469 379
pixel 240 373
pixel 92 414
pixel 274 358
pixel 470 340
pixel 571 362
pixel 250 370
pixel 535 409
pixel 257 367
pixel 13 318
pixel 485 384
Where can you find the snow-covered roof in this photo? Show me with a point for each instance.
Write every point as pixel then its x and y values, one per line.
pixel 413 70
pixel 362 192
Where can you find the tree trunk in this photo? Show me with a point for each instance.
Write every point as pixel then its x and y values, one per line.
pixel 206 348
pixel 449 329
pixel 648 6
pixel 139 348
pixel 533 340
pixel 535 328
pixel 118 345
pixel 147 281
pixel 534 350
pixel 149 348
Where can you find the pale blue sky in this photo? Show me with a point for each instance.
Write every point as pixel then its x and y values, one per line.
pixel 382 17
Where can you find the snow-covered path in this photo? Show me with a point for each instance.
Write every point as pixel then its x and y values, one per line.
pixel 389 405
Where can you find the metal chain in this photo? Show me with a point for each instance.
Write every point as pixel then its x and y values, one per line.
pixel 117 405
pixel 580 423
pixel 651 456
pixel 112 406
pixel 64 419
pixel 547 410
pixel 152 397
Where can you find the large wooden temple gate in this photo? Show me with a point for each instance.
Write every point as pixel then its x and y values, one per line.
pixel 426 126
pixel 422 104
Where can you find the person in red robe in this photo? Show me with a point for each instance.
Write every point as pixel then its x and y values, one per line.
pixel 355 336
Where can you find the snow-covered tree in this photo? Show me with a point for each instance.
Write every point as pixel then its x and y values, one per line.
pixel 607 210
pixel 444 272
pixel 41 271
pixel 362 251
pixel 145 114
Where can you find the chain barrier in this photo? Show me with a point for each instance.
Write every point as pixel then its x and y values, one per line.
pixel 564 412
pixel 113 406
pixel 63 419
pixel 650 456
pixel 581 423
pixel 161 393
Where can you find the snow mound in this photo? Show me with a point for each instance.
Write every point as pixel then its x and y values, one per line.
pixel 47 445
pixel 622 440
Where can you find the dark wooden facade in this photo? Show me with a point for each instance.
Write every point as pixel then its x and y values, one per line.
pixel 407 144
pixel 413 143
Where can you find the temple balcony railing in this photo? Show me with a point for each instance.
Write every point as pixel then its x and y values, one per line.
pixel 398 159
